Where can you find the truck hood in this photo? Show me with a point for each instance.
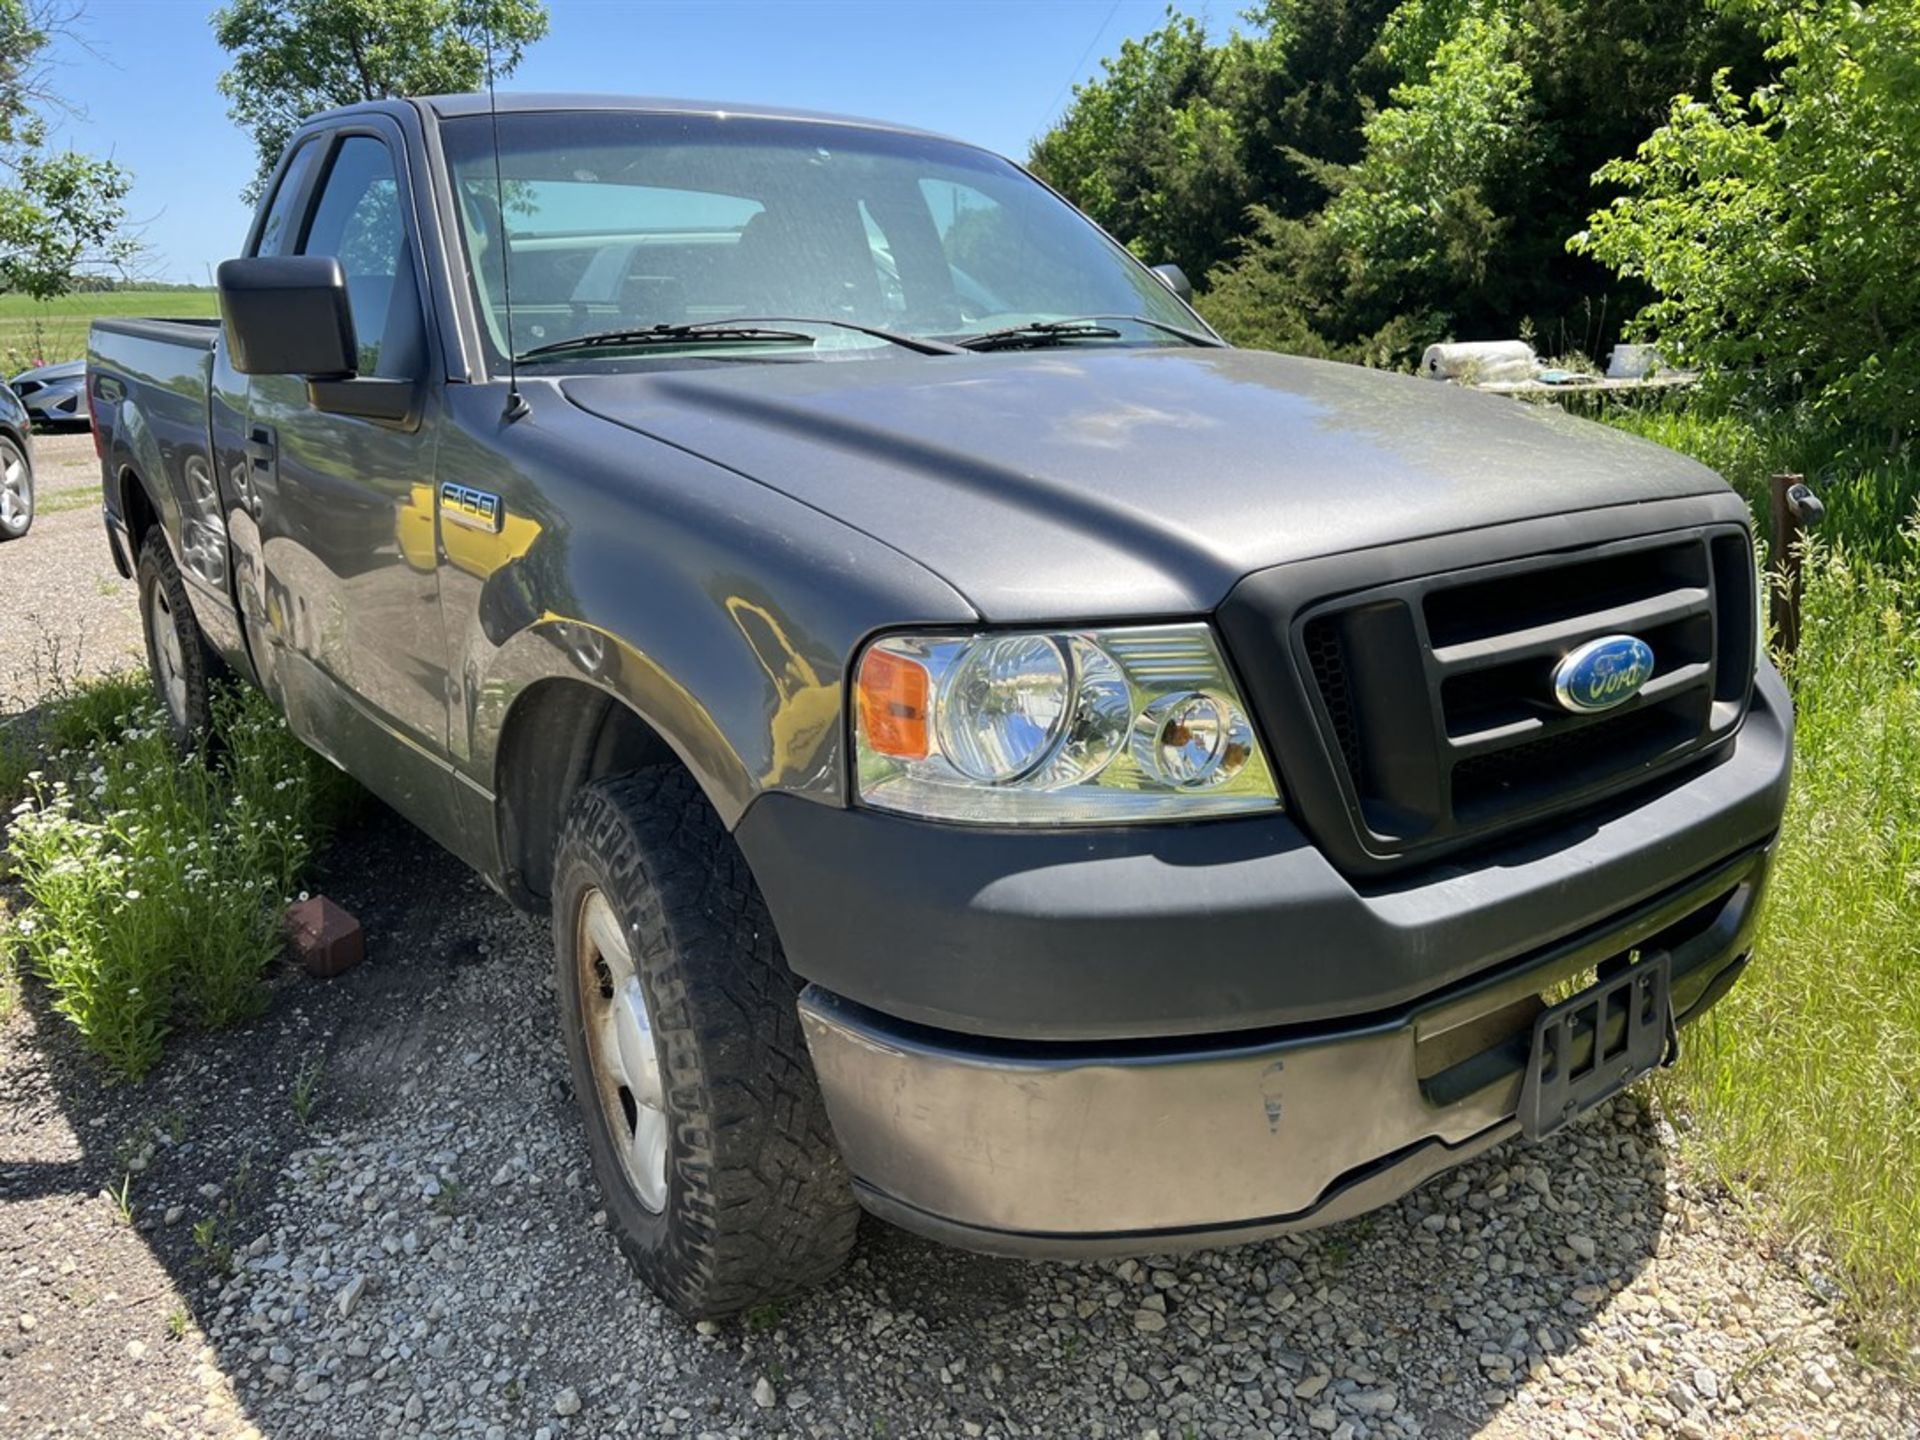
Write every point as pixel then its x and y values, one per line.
pixel 1048 485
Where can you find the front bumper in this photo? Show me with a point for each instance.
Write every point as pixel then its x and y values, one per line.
pixel 1091 1149
pixel 1085 1043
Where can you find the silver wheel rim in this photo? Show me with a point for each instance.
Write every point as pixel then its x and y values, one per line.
pixel 13 492
pixel 620 1050
pixel 170 672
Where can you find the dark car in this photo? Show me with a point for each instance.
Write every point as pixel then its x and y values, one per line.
pixel 995 755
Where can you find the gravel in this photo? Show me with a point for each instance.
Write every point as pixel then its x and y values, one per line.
pixel 64 610
pixel 427 1256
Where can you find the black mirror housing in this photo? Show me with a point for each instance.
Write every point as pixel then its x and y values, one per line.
pixel 288 315
pixel 1175 279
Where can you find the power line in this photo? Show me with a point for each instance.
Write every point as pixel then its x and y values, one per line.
pixel 1074 75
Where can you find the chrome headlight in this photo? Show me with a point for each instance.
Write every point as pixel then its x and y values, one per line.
pixel 1056 727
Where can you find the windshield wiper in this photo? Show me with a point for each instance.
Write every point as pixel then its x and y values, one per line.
pixel 669 335
pixel 1037 333
pixel 739 328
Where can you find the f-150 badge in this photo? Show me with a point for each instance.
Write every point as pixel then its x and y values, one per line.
pixel 476 509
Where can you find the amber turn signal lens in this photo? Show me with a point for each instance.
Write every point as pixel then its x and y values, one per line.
pixel 894 705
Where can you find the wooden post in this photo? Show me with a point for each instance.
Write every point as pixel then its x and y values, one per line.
pixel 1795 507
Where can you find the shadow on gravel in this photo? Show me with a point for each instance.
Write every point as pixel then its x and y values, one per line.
pixel 423 1252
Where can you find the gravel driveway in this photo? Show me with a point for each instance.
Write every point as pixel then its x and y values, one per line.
pixel 424 1252
pixel 64 610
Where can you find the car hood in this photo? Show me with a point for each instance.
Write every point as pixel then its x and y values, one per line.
pixel 47 374
pixel 1106 483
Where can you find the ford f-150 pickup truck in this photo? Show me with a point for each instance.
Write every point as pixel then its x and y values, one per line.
pixel 995 755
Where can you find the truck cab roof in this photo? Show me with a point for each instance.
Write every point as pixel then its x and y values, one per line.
pixel 449 107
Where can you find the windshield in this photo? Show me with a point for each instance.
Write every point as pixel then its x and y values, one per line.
pixel 623 221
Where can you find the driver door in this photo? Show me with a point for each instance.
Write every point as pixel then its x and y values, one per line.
pixel 354 649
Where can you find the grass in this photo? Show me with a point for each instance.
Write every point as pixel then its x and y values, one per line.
pixel 1802 1088
pixel 1804 1084
pixel 157 884
pixel 35 332
pixel 1867 495
pixel 60 501
pixel 306 1088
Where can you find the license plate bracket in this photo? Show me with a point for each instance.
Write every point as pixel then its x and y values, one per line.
pixel 1591 1047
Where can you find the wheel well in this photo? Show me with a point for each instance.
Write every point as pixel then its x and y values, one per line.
pixel 559 736
pixel 137 509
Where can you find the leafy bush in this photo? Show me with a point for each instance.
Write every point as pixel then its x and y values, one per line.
pixel 157 884
pixel 1778 229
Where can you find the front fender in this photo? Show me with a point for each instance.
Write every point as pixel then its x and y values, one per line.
pixel 720 611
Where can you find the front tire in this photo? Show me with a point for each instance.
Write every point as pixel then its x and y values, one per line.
pixel 707 1130
pixel 178 657
pixel 16 490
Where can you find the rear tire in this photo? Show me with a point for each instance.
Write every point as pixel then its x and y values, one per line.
pixel 16 490
pixel 707 1130
pixel 178 657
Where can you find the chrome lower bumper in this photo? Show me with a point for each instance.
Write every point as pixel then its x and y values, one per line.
pixel 1083 1148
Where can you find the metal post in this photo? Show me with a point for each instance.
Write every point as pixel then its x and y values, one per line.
pixel 1795 508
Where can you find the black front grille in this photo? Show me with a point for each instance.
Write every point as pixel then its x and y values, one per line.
pixel 1327 657
pixel 1436 694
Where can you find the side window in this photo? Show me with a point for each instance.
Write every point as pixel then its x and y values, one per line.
pixel 357 220
pixel 276 234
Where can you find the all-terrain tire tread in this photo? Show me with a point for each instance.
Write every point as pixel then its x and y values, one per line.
pixel 760 1205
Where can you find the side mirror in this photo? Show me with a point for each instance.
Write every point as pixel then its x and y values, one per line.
pixel 1175 279
pixel 288 315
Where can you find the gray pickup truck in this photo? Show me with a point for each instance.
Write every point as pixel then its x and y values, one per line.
pixel 995 755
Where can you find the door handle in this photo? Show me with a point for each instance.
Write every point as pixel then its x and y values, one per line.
pixel 260 458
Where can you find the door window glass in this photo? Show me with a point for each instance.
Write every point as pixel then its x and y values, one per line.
pixel 276 233
pixel 358 222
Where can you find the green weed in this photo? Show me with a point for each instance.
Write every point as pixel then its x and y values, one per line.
pixel 306 1087
pixel 452 1199
pixel 122 1199
pixel 213 1251
pixel 157 883
pixel 766 1316
pixel 9 966
pixel 177 1322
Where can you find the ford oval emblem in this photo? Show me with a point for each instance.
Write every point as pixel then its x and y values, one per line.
pixel 1602 673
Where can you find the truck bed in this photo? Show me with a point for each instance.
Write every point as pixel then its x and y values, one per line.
pixel 200 333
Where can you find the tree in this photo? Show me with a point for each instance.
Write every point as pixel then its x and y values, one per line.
pixel 292 58
pixel 1777 230
pixel 1384 172
pixel 1149 152
pixel 61 212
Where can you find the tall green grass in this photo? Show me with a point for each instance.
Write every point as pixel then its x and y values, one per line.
pixel 1804 1083
pixel 156 884
pixel 1803 1086
pixel 43 332
pixel 1868 494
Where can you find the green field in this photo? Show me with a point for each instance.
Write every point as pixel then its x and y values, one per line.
pixel 36 332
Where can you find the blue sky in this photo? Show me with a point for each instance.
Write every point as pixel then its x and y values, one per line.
pixel 991 71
